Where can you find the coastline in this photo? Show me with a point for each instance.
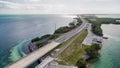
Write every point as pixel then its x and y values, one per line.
pixel 110 50
pixel 91 59
pixel 76 22
pixel 104 38
pixel 90 63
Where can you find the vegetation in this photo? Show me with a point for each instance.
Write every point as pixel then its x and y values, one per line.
pixel 40 38
pixel 107 20
pixel 78 20
pixel 40 44
pixel 81 63
pixel 54 36
pixel 73 55
pixel 62 30
pixel 96 28
pixel 43 39
pixel 71 26
pixel 96 25
pixel 62 44
pixel 92 51
pixel 74 52
pixel 35 39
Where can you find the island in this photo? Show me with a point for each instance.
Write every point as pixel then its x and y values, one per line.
pixel 74 52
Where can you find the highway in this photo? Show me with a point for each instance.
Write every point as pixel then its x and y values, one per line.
pixel 32 57
pixel 48 59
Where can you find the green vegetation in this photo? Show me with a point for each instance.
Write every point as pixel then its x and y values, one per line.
pixel 54 36
pixel 96 25
pixel 62 30
pixel 108 20
pixel 40 44
pixel 35 39
pixel 96 28
pixel 40 38
pixel 71 26
pixel 45 38
pixel 73 55
pixel 92 51
pixel 74 52
pixel 63 44
pixel 65 29
pixel 78 20
pixel 81 63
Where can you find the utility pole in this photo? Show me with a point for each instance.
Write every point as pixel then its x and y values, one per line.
pixel 55 29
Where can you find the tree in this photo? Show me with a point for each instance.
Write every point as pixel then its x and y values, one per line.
pixel 35 39
pixel 72 24
pixel 95 46
pixel 92 51
pixel 96 28
pixel 40 44
pixel 62 30
pixel 81 63
pixel 40 38
pixel 78 20
pixel 78 24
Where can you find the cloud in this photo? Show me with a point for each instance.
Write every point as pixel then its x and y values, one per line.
pixel 34 0
pixel 10 5
pixel 60 6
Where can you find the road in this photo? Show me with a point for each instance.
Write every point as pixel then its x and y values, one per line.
pixel 88 39
pixel 32 57
pixel 51 58
pixel 64 47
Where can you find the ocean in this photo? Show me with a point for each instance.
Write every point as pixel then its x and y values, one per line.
pixel 110 52
pixel 16 31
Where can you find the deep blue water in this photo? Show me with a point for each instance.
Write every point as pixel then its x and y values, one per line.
pixel 16 31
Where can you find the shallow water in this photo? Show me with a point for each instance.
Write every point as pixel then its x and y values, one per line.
pixel 110 52
pixel 16 31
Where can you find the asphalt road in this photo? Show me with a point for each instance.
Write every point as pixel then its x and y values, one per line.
pixel 64 47
pixel 61 40
pixel 32 57
pixel 67 35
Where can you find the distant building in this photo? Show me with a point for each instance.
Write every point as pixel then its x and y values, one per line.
pixel 117 20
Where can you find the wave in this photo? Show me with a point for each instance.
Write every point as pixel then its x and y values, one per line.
pixel 17 52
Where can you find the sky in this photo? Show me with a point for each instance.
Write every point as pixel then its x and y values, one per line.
pixel 59 6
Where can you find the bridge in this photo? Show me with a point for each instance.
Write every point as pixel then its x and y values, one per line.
pixel 32 57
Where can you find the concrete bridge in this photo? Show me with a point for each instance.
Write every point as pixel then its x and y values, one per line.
pixel 29 59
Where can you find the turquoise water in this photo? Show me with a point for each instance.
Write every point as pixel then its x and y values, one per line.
pixel 16 31
pixel 109 15
pixel 110 52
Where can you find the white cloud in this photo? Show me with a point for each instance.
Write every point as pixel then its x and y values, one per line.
pixel 34 0
pixel 10 5
pixel 60 6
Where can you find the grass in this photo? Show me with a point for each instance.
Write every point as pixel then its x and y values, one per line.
pixel 63 44
pixel 74 52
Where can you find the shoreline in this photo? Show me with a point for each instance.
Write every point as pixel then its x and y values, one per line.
pixel 76 22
